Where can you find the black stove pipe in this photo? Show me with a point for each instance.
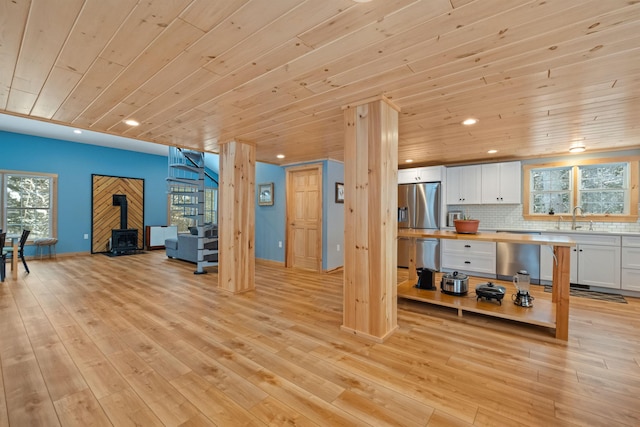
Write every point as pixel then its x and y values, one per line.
pixel 121 200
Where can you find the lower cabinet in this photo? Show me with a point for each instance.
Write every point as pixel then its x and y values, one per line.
pixel 469 256
pixel 630 263
pixel 595 261
pixel 598 266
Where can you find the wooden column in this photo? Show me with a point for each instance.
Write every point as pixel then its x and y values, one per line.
pixel 371 205
pixel 236 231
pixel 561 290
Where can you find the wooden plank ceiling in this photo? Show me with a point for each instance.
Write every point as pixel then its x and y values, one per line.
pixel 538 75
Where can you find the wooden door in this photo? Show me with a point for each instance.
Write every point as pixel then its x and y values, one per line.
pixel 304 217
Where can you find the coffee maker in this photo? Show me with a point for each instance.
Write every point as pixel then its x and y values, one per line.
pixel 522 282
pixel 426 278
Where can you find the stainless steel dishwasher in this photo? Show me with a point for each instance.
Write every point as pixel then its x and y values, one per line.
pixel 513 257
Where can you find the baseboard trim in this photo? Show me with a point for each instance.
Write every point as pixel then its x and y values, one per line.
pixel 269 262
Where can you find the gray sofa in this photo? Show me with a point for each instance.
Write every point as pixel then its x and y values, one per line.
pixel 185 247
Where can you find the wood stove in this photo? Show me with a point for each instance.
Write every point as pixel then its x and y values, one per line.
pixel 123 240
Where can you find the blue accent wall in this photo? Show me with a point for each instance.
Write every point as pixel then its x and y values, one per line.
pixel 332 217
pixel 74 164
pixel 270 220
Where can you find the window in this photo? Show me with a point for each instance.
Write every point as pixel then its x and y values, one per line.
pixel 601 188
pixel 551 190
pixel 604 189
pixel 183 206
pixel 211 205
pixel 28 202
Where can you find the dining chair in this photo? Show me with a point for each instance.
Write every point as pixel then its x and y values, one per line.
pixel 3 256
pixel 23 240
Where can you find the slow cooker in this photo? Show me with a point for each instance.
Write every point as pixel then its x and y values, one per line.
pixel 454 283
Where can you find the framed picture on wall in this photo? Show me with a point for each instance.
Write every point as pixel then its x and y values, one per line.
pixel 339 192
pixel 265 194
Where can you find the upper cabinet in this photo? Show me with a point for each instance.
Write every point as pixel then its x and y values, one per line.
pixel 501 182
pixel 426 174
pixel 463 185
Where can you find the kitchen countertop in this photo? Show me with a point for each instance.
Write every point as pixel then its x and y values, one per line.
pixel 534 239
pixel 555 231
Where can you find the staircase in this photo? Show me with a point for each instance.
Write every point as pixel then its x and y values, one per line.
pixel 187 180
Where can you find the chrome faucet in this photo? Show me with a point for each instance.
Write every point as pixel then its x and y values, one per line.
pixel 560 219
pixel 573 220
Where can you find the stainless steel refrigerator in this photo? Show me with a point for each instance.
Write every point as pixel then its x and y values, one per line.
pixel 419 207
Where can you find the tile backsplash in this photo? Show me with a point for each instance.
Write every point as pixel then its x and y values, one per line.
pixel 509 217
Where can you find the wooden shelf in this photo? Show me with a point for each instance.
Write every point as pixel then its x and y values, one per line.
pixel 559 306
pixel 542 313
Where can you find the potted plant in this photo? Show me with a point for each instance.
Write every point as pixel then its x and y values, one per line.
pixel 466 225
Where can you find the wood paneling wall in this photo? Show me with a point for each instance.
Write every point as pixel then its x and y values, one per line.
pixel 106 217
pixel 236 257
pixel 371 199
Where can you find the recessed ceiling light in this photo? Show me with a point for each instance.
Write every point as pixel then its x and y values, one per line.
pixel 409 161
pixel 280 156
pixel 131 122
pixel 470 121
pixel 492 151
pixel 77 131
pixel 579 148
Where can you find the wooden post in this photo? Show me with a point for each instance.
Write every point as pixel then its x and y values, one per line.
pixel 371 205
pixel 561 290
pixel 236 230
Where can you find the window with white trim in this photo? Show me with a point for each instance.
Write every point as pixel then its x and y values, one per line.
pixel 28 203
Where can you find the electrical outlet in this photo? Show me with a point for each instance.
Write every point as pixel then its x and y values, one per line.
pixel 86 236
pixel 338 247
pixel 280 243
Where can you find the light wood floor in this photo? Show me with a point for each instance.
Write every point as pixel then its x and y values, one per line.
pixel 140 340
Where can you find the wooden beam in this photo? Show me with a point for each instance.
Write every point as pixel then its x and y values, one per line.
pixel 561 291
pixel 371 198
pixel 236 258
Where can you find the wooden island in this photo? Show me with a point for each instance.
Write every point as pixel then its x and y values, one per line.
pixel 554 314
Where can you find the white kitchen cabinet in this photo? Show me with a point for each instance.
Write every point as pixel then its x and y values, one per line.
pixel 630 280
pixel 470 256
pixel 595 261
pixel 599 266
pixel 501 183
pixel 546 263
pixel 463 185
pixel 425 174
pixel 630 277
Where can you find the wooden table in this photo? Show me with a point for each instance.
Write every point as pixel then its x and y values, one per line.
pixel 556 316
